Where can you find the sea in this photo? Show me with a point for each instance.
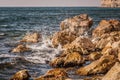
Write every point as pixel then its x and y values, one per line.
pixel 15 22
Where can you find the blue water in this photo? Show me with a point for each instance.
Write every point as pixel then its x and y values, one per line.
pixel 15 22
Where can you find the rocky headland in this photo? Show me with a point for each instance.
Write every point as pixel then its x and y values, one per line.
pixel 92 53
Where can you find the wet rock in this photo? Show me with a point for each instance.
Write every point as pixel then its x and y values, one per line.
pixel 106 26
pixel 99 66
pixel 31 37
pixel 113 73
pixel 21 75
pixel 63 37
pixel 79 24
pixel 20 48
pixel 72 28
pixel 54 74
pixel 57 62
pixel 70 60
pixel 81 44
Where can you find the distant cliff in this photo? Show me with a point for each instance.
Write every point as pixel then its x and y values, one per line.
pixel 110 3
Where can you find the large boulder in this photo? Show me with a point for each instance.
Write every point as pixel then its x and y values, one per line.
pixel 113 73
pixel 71 28
pixel 81 44
pixel 21 75
pixel 54 74
pixel 20 48
pixel 107 39
pixel 99 66
pixel 106 26
pixel 70 60
pixel 31 37
pixel 79 24
pixel 63 37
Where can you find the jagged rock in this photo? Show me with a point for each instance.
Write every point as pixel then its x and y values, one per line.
pixel 81 44
pixel 93 56
pixel 21 75
pixel 107 39
pixel 95 77
pixel 63 37
pixel 80 23
pixel 106 26
pixel 31 37
pixel 71 28
pixel 119 56
pixel 54 74
pixel 113 73
pixel 99 66
pixel 20 48
pixel 71 59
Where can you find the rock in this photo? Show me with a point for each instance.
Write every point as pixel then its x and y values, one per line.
pixel 31 37
pixel 57 62
pixel 79 24
pixel 73 59
pixel 107 39
pixel 21 75
pixel 93 56
pixel 113 73
pixel 106 26
pixel 63 37
pixel 20 48
pixel 70 60
pixel 119 56
pixel 99 66
pixel 54 74
pixel 71 28
pixel 81 44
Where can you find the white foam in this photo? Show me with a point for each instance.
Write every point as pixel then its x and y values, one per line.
pixel 43 52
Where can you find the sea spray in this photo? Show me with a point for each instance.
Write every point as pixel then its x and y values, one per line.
pixel 43 51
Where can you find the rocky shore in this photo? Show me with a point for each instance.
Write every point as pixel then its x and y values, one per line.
pixel 93 53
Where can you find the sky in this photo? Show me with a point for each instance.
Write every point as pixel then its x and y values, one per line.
pixel 49 3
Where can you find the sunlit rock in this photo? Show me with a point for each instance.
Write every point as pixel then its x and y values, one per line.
pixel 20 48
pixel 31 37
pixel 72 28
pixel 113 73
pixel 93 56
pixel 70 60
pixel 63 37
pixel 81 44
pixel 21 75
pixel 106 26
pixel 99 66
pixel 79 24
pixel 54 74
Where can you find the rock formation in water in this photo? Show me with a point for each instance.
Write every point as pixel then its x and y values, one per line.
pixel 110 3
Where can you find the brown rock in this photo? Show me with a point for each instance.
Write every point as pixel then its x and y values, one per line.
pixel 73 59
pixel 94 56
pixel 113 73
pixel 81 44
pixel 63 37
pixel 79 24
pixel 70 60
pixel 107 39
pixel 31 37
pixel 54 74
pixel 99 66
pixel 106 26
pixel 71 28
pixel 20 48
pixel 21 75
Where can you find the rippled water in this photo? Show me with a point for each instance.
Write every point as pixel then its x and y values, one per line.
pixel 15 22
